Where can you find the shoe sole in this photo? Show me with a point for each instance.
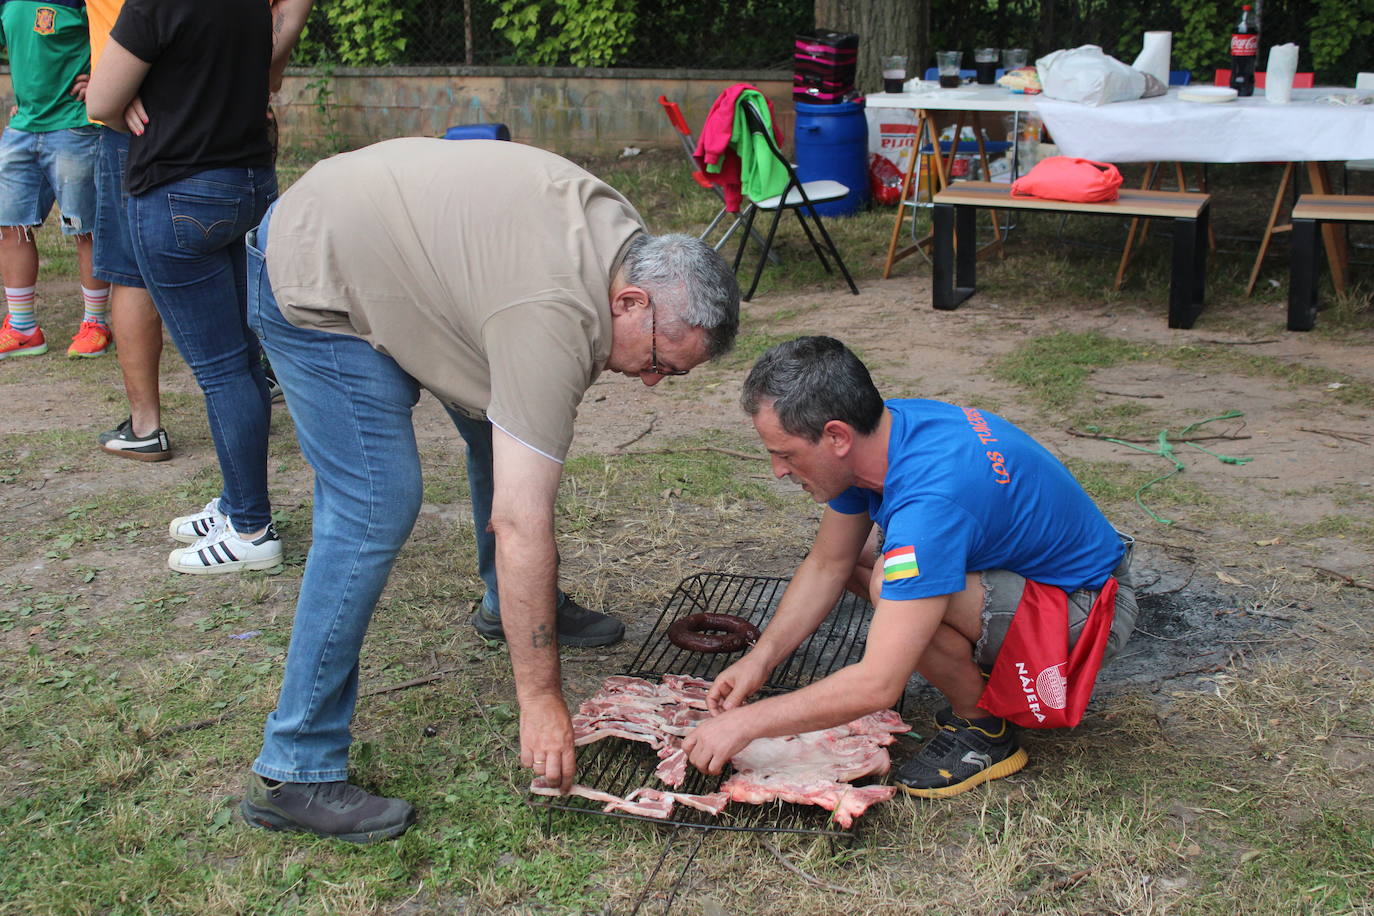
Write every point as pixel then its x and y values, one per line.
pixel 268 819
pixel 232 566
pixel 71 355
pixel 1002 768
pixel 139 456
pixel 26 351
pixel 573 642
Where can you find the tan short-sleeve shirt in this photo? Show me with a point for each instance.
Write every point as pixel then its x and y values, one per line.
pixel 482 267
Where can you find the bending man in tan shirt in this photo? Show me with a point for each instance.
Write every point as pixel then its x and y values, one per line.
pixel 502 279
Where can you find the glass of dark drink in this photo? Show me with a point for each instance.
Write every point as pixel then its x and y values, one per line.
pixel 894 72
pixel 985 62
pixel 948 63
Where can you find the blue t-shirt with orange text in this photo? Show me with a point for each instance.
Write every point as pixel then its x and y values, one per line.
pixel 967 491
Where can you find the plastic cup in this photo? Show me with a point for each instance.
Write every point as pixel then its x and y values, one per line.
pixel 1014 58
pixel 985 61
pixel 948 63
pixel 894 72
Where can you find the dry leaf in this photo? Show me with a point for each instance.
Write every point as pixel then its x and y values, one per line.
pixel 1268 542
pixel 1230 580
pixel 1250 855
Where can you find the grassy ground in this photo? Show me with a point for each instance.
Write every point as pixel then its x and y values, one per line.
pixel 131 700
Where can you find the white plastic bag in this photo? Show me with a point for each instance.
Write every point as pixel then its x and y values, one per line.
pixel 1087 75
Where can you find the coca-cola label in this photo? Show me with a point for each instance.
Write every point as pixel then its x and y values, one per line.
pixel 1244 45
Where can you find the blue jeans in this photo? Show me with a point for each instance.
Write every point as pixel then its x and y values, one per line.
pixel 352 410
pixel 188 238
pixel 114 247
pixel 37 169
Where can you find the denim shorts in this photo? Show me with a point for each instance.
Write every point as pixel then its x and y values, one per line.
pixel 114 249
pixel 1002 595
pixel 37 169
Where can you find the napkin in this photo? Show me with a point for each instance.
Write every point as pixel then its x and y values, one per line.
pixel 1283 63
pixel 1154 55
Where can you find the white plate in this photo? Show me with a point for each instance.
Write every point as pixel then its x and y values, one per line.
pixel 1207 94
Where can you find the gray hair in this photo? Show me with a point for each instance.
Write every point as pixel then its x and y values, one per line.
pixel 691 281
pixel 811 381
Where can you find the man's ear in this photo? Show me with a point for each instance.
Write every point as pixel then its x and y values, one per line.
pixel 838 436
pixel 627 299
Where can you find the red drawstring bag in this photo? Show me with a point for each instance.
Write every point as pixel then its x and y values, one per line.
pixel 1067 178
pixel 1037 681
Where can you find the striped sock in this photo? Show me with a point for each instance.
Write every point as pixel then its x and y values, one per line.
pixel 20 301
pixel 97 303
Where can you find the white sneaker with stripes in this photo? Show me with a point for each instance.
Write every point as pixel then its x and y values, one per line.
pixel 187 529
pixel 222 550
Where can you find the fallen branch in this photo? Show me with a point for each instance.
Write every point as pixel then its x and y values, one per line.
pixel 700 448
pixel 1084 435
pixel 413 682
pixel 1240 343
pixel 189 727
pixel 1362 440
pixel 1127 394
pixel 1342 576
pixel 777 854
pixel 1349 735
pixel 653 421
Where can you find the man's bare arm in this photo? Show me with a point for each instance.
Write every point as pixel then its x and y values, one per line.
pixel 527 575
pixel 288 21
pixel 813 591
pixel 897 637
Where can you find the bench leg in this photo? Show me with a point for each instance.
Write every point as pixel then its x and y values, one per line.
pixel 1202 242
pixel 953 276
pixel 1184 281
pixel 1302 276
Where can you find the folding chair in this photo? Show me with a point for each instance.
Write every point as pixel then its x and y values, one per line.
pixel 797 196
pixel 689 145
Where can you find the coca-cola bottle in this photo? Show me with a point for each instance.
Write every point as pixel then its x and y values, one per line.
pixel 1244 50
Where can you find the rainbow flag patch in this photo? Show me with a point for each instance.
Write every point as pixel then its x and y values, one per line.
pixel 900 563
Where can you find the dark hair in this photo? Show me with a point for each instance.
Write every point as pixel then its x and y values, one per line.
pixel 691 281
pixel 811 381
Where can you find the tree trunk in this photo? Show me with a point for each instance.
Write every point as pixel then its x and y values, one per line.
pixel 884 27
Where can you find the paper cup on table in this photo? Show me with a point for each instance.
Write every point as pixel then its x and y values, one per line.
pixel 1154 55
pixel 1283 63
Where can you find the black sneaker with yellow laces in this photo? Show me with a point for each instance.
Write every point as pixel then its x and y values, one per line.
pixel 964 753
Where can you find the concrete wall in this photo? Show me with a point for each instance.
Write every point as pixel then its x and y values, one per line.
pixel 566 110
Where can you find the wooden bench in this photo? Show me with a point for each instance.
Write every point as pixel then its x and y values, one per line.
pixel 955 276
pixel 1309 213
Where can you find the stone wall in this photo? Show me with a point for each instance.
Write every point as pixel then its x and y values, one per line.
pixel 566 110
pixel 563 109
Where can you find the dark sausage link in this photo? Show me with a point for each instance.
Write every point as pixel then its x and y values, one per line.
pixel 712 633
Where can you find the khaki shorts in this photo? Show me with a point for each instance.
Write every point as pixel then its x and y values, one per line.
pixel 1002 595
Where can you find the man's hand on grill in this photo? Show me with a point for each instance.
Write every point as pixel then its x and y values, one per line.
pixel 737 683
pixel 711 744
pixel 546 741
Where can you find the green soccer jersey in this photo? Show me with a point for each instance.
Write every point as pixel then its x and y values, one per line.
pixel 49 46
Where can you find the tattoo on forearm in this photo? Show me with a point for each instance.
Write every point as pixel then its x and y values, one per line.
pixel 278 22
pixel 540 638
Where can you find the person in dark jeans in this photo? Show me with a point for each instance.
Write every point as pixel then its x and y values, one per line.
pixel 189 79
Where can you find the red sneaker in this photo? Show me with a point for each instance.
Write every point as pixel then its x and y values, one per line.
pixel 15 343
pixel 92 339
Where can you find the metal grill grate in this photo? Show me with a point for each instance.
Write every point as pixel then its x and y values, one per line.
pixel 618 766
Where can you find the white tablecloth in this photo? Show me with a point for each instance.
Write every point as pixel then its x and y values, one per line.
pixel 1247 130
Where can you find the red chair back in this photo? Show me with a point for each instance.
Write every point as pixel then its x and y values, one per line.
pixel 1300 80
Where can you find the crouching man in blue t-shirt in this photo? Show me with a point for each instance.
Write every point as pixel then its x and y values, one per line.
pixel 939 515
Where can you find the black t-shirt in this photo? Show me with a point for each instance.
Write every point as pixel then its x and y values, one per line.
pixel 206 92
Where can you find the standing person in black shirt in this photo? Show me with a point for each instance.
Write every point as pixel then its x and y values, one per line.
pixel 189 79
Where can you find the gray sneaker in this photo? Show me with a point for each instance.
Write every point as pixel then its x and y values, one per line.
pixel 577 626
pixel 334 809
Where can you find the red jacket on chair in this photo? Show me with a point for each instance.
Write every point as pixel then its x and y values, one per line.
pixel 714 147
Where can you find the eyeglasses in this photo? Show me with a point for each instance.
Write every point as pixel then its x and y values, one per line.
pixel 654 367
